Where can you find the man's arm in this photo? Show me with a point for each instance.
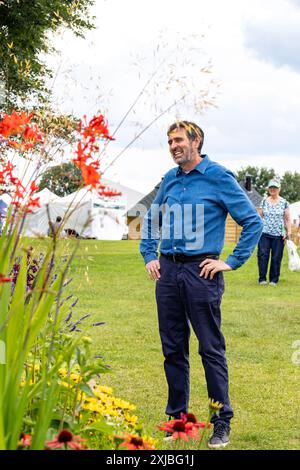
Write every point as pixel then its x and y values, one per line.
pixel 151 234
pixel 244 213
pixel 236 202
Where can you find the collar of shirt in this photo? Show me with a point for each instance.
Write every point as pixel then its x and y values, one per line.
pixel 201 167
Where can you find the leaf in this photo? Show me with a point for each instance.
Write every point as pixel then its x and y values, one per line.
pixel 100 426
pixel 86 389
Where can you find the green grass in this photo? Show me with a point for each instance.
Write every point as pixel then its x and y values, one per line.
pixel 260 323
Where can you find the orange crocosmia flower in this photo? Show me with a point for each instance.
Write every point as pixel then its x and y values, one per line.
pixel 90 175
pixel 32 133
pixel 20 190
pixel 33 187
pixel 82 157
pixel 13 124
pixel 34 202
pixel 108 192
pixel 97 127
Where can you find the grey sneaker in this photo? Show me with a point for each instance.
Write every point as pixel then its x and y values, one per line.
pixel 220 437
pixel 263 283
pixel 273 284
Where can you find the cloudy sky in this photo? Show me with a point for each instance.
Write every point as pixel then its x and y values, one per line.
pixel 253 48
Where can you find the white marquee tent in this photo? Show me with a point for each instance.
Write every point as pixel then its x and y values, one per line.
pixel 85 212
pixel 295 212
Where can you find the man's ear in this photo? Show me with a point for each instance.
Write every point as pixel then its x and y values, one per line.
pixel 197 141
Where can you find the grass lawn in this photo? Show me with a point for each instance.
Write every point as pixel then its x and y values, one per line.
pixel 260 324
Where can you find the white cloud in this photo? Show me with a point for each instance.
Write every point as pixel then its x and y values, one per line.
pixel 258 119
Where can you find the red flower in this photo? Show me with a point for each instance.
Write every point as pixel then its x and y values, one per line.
pixel 90 175
pixel 33 202
pixel 65 439
pixel 31 133
pixel 33 187
pixel 12 124
pixel 18 125
pixel 136 443
pixel 25 441
pixel 5 279
pixel 191 418
pixel 180 429
pixel 108 192
pixel 86 151
pixel 97 127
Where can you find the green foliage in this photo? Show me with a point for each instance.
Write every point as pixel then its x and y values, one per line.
pixel 260 177
pixel 24 32
pixel 62 179
pixel 260 324
pixel 290 182
pixel 290 186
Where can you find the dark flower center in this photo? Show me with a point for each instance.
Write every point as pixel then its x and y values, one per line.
pixel 179 427
pixel 190 418
pixel 137 441
pixel 65 436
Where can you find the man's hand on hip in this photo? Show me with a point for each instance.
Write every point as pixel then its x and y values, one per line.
pixel 212 266
pixel 153 268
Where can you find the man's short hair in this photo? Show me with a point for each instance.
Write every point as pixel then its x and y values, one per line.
pixel 191 129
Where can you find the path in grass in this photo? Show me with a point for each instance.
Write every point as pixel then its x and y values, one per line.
pixel 260 323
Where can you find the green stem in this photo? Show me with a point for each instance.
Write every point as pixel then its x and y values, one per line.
pixel 210 414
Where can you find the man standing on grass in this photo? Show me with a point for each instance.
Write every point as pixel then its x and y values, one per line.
pixel 188 217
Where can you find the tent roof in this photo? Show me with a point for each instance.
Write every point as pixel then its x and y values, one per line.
pixel 132 196
pixel 46 196
pixel 295 210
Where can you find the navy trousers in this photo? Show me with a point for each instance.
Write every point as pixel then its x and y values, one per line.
pixel 184 298
pixel 270 245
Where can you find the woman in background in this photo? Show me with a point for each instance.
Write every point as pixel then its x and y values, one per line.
pixel 275 213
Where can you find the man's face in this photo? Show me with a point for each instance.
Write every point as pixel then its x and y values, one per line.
pixel 181 148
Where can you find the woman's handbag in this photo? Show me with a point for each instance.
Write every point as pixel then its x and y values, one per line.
pixel 294 260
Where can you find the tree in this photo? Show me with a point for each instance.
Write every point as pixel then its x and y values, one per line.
pixel 62 179
pixel 24 29
pixel 260 177
pixel 290 186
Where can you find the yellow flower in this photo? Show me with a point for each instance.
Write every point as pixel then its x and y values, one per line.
pixel 36 367
pixel 63 371
pixel 65 384
pixel 131 419
pixel 104 389
pixel 92 407
pixel 76 377
pixel 214 405
pixel 125 405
